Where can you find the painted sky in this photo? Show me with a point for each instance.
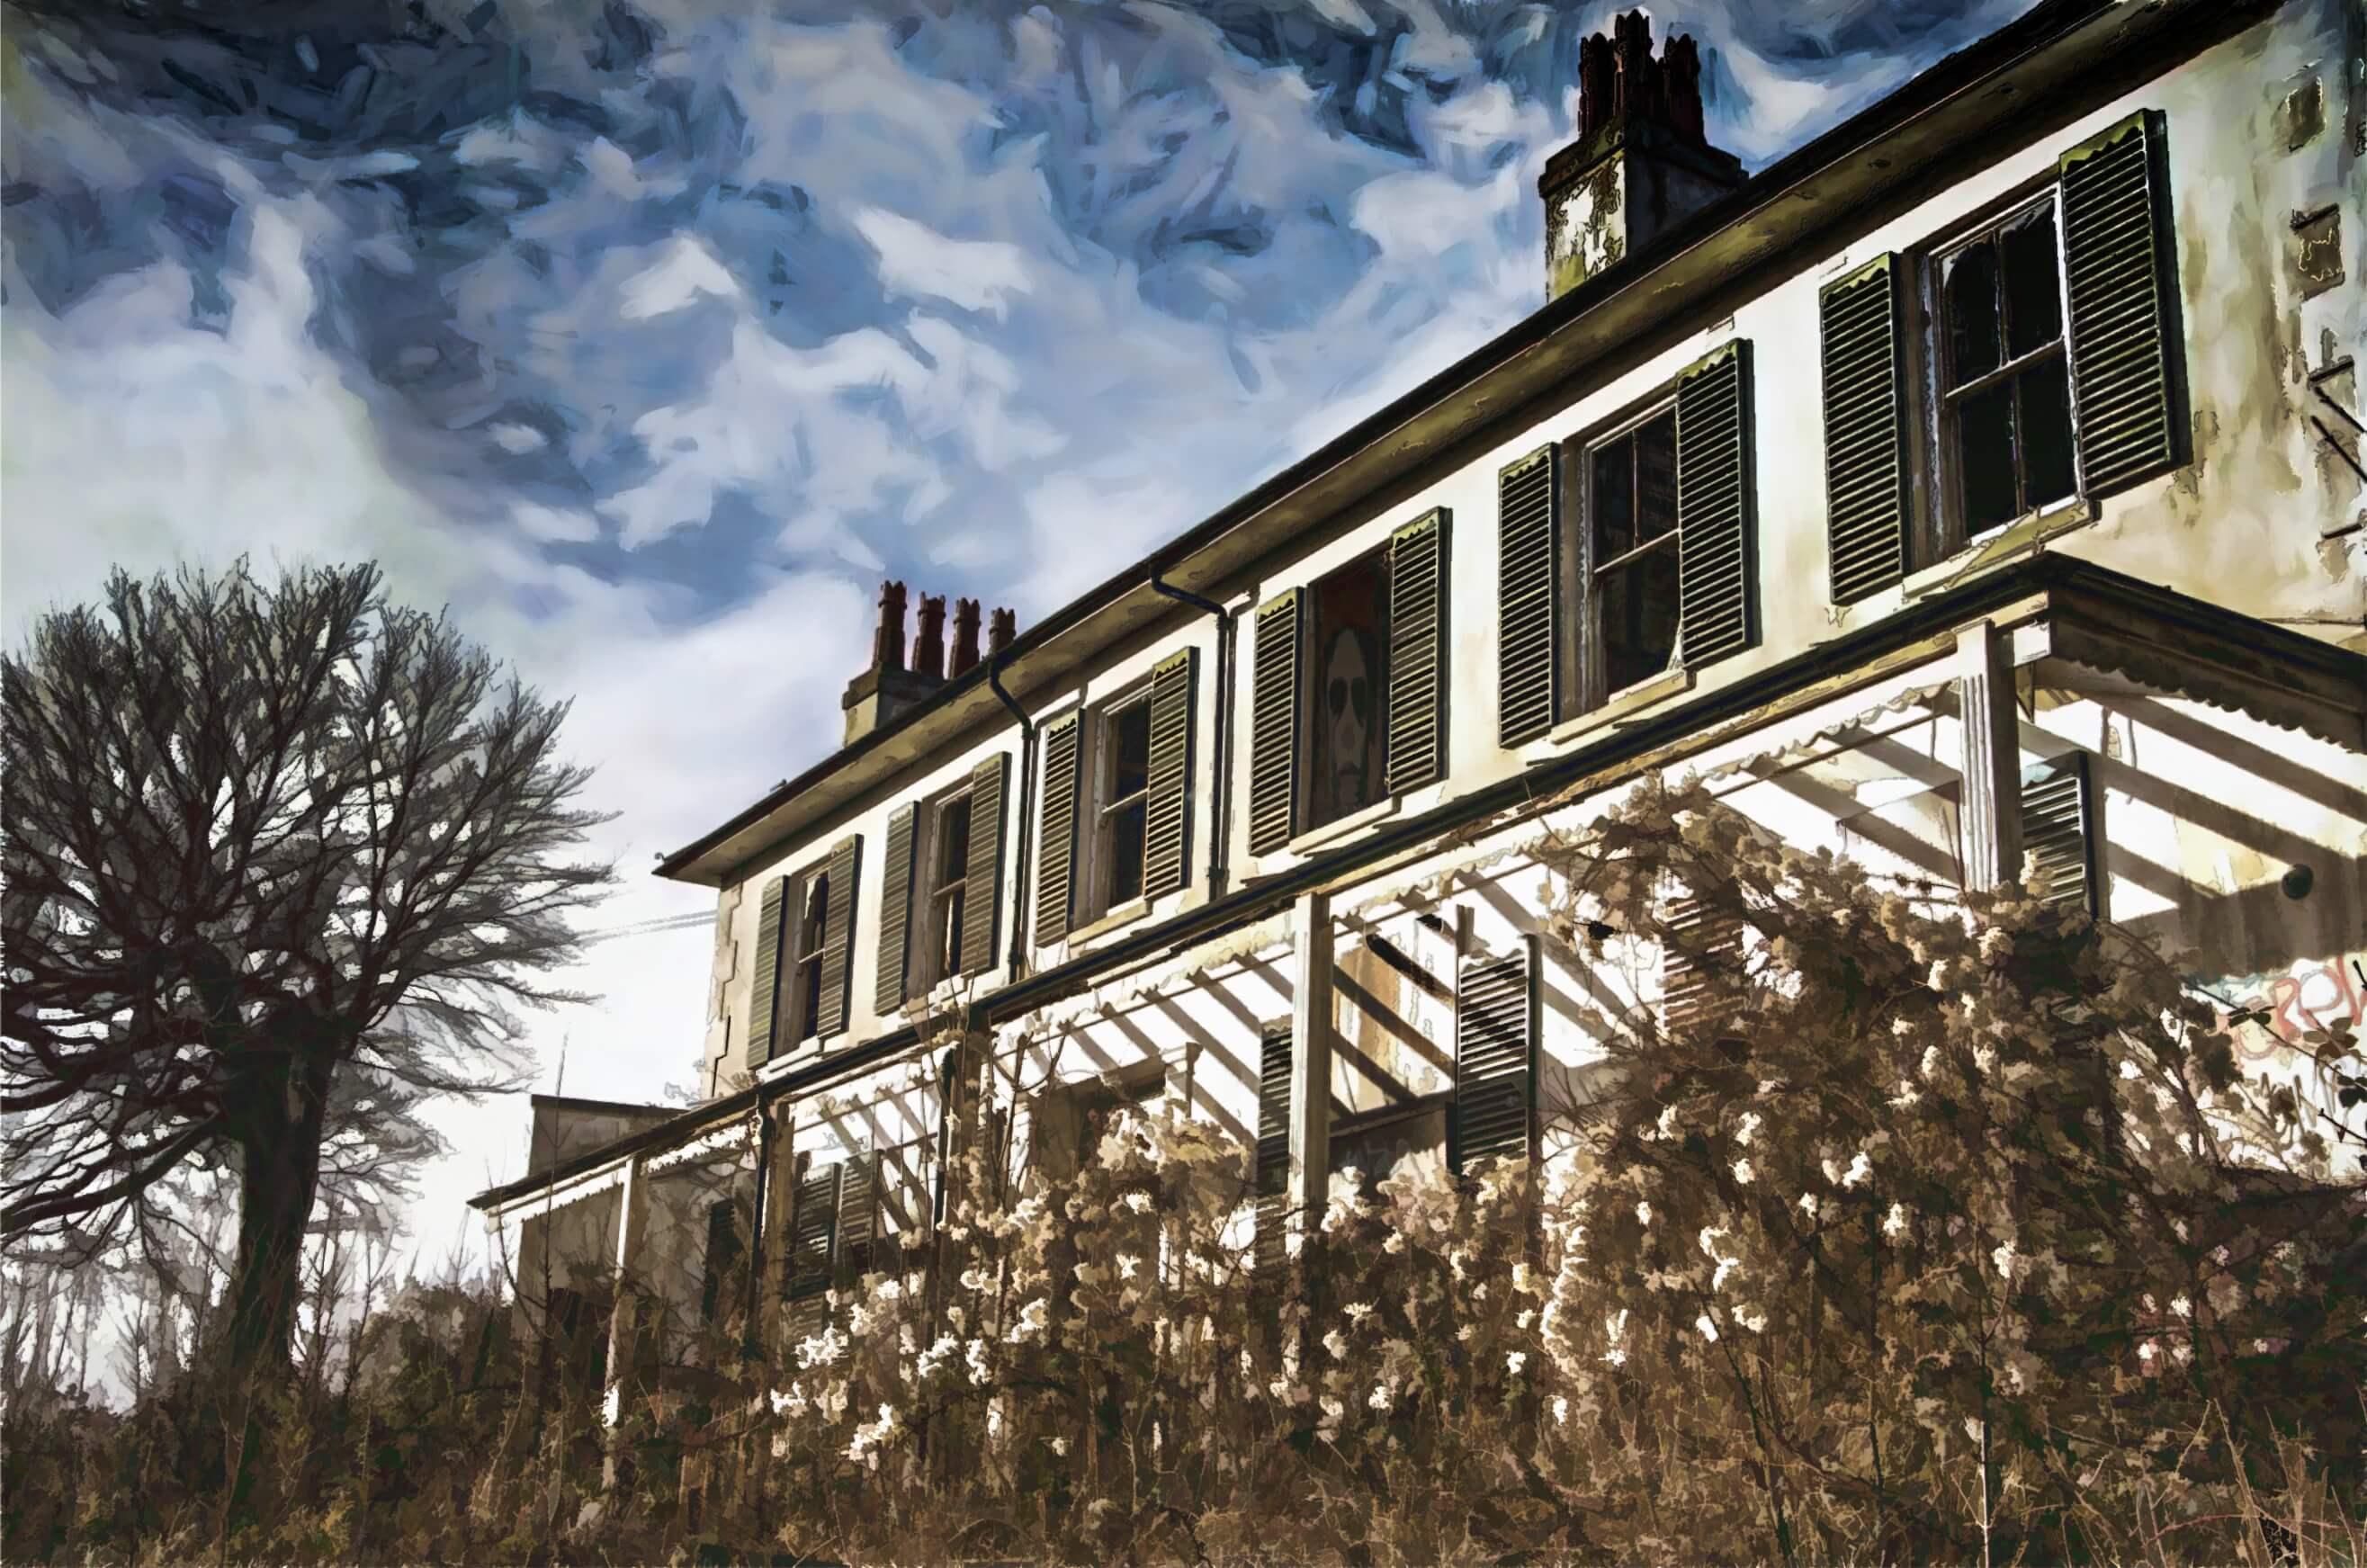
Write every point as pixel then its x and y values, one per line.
pixel 649 339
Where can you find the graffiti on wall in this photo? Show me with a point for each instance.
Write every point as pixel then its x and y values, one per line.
pixel 2290 1028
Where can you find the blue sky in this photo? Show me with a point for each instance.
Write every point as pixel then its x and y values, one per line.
pixel 649 339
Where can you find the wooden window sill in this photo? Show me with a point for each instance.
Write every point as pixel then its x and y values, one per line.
pixel 2015 539
pixel 1345 827
pixel 1620 706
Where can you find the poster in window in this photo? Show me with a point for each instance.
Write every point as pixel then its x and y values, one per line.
pixel 1350 721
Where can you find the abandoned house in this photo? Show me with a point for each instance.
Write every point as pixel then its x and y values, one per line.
pixel 1982 478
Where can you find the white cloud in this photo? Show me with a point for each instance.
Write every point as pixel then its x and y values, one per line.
pixel 918 262
pixel 684 273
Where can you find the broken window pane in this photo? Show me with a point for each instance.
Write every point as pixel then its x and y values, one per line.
pixel 1639 618
pixel 2034 300
pixel 1985 458
pixel 2045 432
pixel 1969 286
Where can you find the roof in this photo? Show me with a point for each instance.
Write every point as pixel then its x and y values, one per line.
pixel 2007 89
pixel 2093 615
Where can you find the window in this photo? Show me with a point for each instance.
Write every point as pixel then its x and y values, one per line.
pixel 1119 836
pixel 1631 501
pixel 949 886
pixel 1347 724
pixel 2005 378
pixel 813 926
pixel 723 1254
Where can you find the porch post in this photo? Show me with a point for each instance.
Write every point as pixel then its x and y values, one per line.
pixel 1989 805
pixel 632 1228
pixel 1310 1063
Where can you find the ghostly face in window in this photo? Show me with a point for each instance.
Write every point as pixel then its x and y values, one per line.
pixel 1347 710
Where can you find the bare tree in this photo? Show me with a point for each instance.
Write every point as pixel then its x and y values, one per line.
pixel 280 863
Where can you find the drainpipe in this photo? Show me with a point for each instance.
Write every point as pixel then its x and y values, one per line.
pixel 1026 810
pixel 1220 812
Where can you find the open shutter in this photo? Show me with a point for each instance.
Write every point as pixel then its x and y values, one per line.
pixel 982 897
pixel 1273 725
pixel 838 936
pixel 1273 1146
pixel 1865 430
pixel 2117 264
pixel 895 912
pixel 1167 838
pixel 1715 550
pixel 721 1263
pixel 813 1231
pixel 1056 838
pixel 1528 596
pixel 1417 732
pixel 858 1216
pixel 761 1000
pixel 1699 947
pixel 1495 1059
pixel 2056 828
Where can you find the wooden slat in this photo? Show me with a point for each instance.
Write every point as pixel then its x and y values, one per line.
pixel 2057 826
pixel 1715 550
pixel 1495 1059
pixel 895 912
pixel 1865 430
pixel 858 1216
pixel 813 1230
pixel 838 936
pixel 982 895
pixel 2118 272
pixel 765 996
pixel 1056 839
pixel 1417 671
pixel 1273 725
pixel 1698 950
pixel 1273 1173
pixel 1528 596
pixel 1167 836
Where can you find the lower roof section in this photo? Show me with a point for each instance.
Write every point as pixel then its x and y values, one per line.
pixel 2063 607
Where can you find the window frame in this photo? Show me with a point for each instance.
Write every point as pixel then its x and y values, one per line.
pixel 1584 687
pixel 1937 524
pixel 927 964
pixel 795 1016
pixel 1310 693
pixel 1094 899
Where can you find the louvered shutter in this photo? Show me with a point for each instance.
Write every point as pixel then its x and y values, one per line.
pixel 2118 264
pixel 1685 975
pixel 1167 833
pixel 858 1216
pixel 1056 838
pixel 813 1230
pixel 1865 430
pixel 1716 552
pixel 2057 822
pixel 1495 1059
pixel 763 998
pixel 1273 725
pixel 895 912
pixel 1417 732
pixel 1273 1183
pixel 838 936
pixel 1528 596
pixel 982 895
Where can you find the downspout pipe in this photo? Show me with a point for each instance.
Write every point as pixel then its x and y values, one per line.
pixel 1026 811
pixel 1220 804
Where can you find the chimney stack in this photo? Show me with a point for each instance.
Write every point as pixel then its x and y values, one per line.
pixel 929 648
pixel 965 638
pixel 888 688
pixel 1000 630
pixel 1642 162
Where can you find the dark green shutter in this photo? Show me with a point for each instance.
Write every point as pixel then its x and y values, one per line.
pixel 895 912
pixel 1495 1059
pixel 1056 838
pixel 1696 949
pixel 764 996
pixel 1273 725
pixel 2117 264
pixel 1715 550
pixel 982 896
pixel 2057 822
pixel 1865 430
pixel 1167 838
pixel 1528 596
pixel 1273 1174
pixel 858 1215
pixel 838 936
pixel 813 1230
pixel 1418 621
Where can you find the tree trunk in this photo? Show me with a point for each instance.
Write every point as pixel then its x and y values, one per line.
pixel 281 1100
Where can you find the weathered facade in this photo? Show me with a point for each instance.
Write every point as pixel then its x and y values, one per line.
pixel 1982 479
